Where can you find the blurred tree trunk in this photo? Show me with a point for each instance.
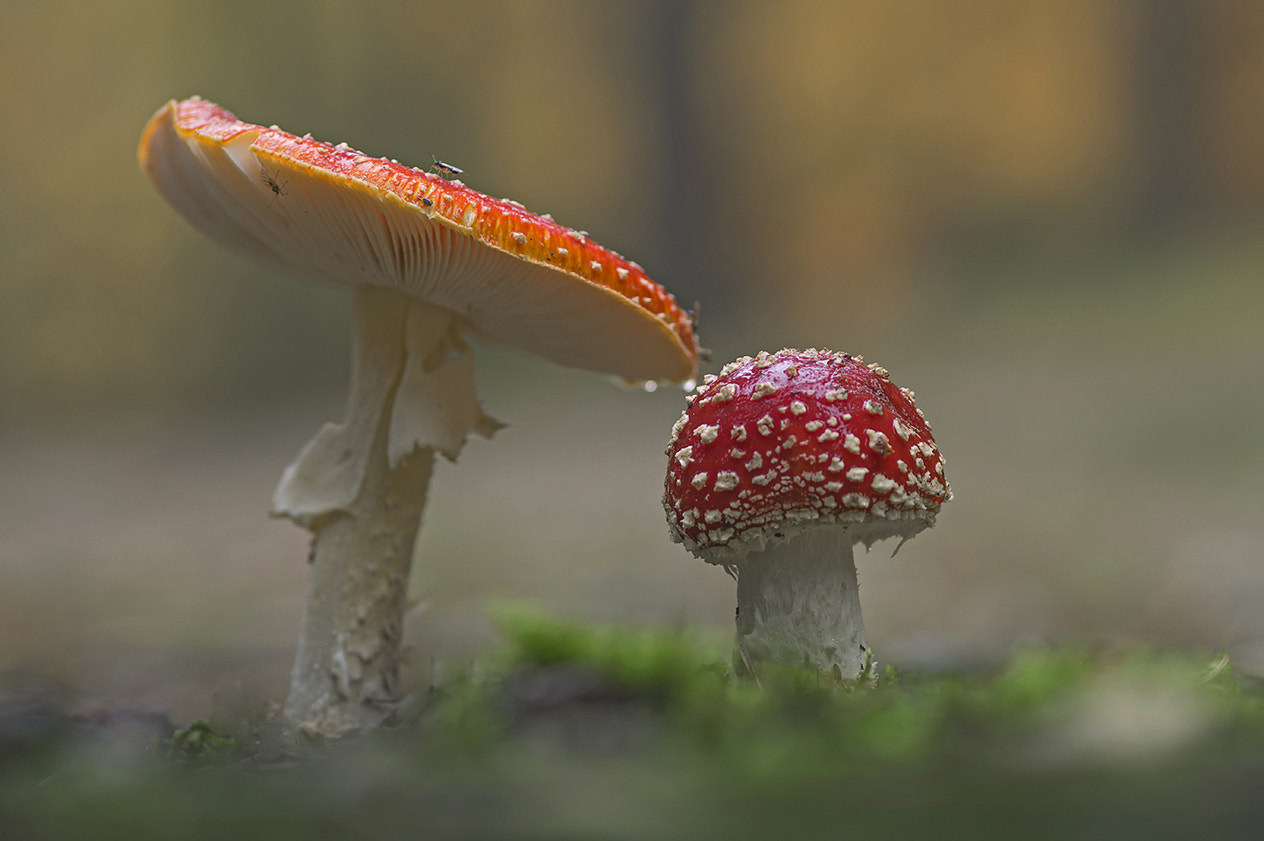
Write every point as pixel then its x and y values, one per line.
pixel 1171 80
pixel 685 230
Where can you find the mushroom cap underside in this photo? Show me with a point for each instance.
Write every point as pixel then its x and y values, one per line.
pixel 329 213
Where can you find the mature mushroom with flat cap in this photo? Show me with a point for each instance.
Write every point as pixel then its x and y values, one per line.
pixel 776 468
pixel 430 262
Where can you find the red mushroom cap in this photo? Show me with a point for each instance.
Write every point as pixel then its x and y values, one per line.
pixel 787 440
pixel 329 213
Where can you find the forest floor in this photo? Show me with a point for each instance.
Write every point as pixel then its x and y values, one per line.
pixel 573 730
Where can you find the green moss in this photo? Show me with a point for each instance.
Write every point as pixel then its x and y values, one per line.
pixel 804 723
pixel 646 660
pixel 201 744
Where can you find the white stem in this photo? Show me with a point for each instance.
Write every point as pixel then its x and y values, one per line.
pixel 346 668
pixel 799 603
pixel 360 487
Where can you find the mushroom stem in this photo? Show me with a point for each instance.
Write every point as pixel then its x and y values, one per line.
pixel 346 669
pixel 798 602
pixel 360 487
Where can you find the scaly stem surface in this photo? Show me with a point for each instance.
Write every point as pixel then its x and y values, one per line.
pixel 798 603
pixel 346 669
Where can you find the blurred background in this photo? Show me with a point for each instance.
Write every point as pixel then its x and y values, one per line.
pixel 1045 218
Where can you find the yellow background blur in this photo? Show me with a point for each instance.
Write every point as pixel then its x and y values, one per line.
pixel 1045 218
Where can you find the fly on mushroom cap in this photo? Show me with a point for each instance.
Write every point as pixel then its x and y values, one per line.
pixel 430 261
pixel 779 464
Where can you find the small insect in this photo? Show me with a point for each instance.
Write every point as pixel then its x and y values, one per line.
pixel 444 169
pixel 274 184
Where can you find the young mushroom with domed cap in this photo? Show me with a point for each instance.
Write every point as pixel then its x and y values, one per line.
pixel 430 262
pixel 777 467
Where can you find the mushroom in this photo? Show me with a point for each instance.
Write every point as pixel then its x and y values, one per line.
pixel 430 262
pixel 776 468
